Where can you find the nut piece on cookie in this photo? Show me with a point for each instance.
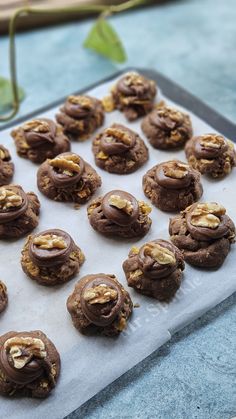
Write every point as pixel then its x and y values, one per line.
pixel 172 185
pixel 119 214
pixel 211 154
pixel 19 212
pixel 119 150
pixel 51 257
pixel 204 233
pixel 3 297
pixel 134 95
pixel 40 139
pixel 100 305
pixel 29 364
pixel 68 178
pixel 167 128
pixel 155 269
pixel 6 166
pixel 80 116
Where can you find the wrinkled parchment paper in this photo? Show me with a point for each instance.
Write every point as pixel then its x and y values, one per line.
pixel 91 363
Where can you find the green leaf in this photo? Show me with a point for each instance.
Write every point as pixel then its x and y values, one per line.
pixel 6 97
pixel 104 40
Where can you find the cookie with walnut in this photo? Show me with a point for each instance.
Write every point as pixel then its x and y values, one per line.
pixel 19 211
pixel 40 139
pixel 172 185
pixel 119 214
pixel 155 269
pixel 3 297
pixel 6 166
pixel 204 233
pixel 134 95
pixel 29 364
pixel 211 154
pixel 51 257
pixel 68 178
pixel 167 128
pixel 80 116
pixel 100 305
pixel 119 150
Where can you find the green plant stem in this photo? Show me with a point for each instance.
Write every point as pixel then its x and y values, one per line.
pixel 83 8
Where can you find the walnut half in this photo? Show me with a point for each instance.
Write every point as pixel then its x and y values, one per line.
pixel 161 254
pixel 9 199
pixel 100 294
pixel 175 170
pixel 67 164
pixel 207 215
pixel 212 141
pixel 21 350
pixel 119 135
pixel 121 203
pixel 36 125
pixel 50 241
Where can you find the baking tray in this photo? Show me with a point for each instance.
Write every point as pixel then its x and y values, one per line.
pixel 153 323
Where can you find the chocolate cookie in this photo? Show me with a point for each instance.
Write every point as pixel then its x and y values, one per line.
pixel 40 139
pixel 134 95
pixel 155 269
pixel 80 116
pixel 3 297
pixel 6 166
pixel 167 128
pixel 172 185
pixel 51 257
pixel 100 305
pixel 68 177
pixel 119 150
pixel 119 214
pixel 204 233
pixel 19 212
pixel 29 364
pixel 211 154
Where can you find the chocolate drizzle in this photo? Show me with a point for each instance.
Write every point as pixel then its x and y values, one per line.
pixel 102 314
pixel 54 256
pixel 79 107
pixel 206 233
pixel 172 182
pixel 161 118
pixel 12 213
pixel 134 85
pixel 36 138
pixel 117 140
pixel 202 151
pixel 119 216
pixel 60 178
pixel 149 266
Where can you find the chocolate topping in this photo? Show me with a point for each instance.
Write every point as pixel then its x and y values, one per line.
pixel 209 146
pixel 32 368
pixel 128 211
pixel 13 212
pixel 39 132
pixel 79 107
pixel 48 255
pixel 117 140
pixel 133 84
pixel 206 233
pixel 167 119
pixel 104 313
pixel 150 266
pixel 173 175
pixel 66 174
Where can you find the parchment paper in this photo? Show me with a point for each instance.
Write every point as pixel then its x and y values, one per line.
pixel 91 363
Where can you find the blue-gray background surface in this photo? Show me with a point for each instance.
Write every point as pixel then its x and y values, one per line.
pixel 194 43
